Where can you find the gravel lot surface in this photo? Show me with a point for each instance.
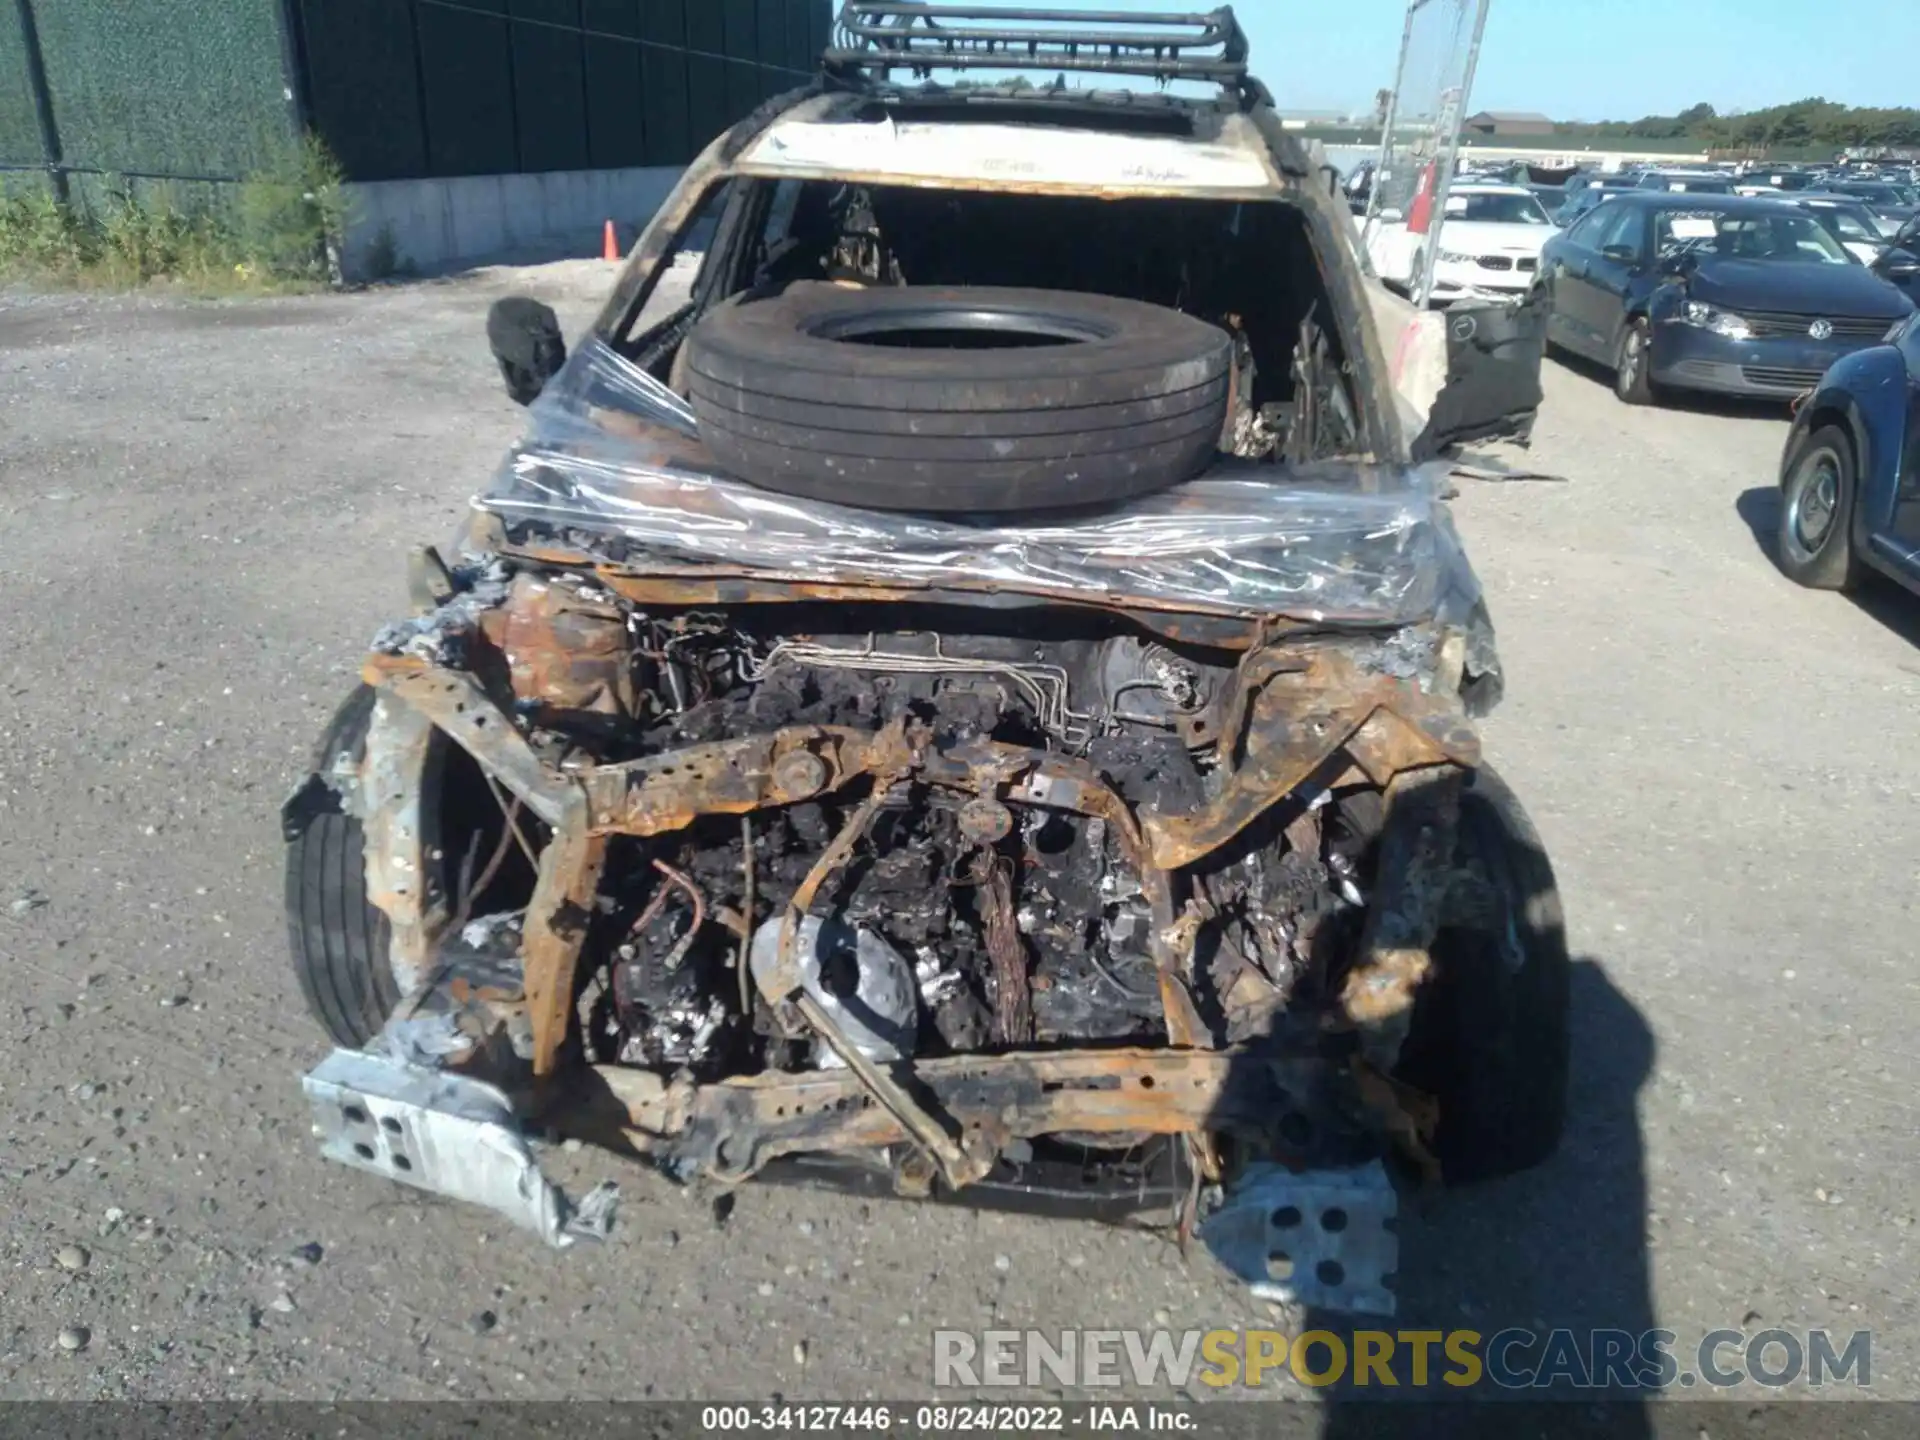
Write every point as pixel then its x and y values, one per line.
pixel 208 508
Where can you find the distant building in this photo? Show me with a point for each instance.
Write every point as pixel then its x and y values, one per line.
pixel 1489 124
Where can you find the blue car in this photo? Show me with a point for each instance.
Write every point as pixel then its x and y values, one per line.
pixel 1850 475
pixel 1711 293
pixel 1900 264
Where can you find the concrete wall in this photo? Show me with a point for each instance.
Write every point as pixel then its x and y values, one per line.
pixel 437 225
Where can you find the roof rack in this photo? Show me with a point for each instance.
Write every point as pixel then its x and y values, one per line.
pixel 1160 45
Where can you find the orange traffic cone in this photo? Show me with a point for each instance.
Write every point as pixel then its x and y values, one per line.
pixel 609 244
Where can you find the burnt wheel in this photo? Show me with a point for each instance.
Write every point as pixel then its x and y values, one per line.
pixel 339 941
pixel 468 863
pixel 1490 1035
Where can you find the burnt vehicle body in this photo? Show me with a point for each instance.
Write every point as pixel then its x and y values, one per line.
pixel 1090 818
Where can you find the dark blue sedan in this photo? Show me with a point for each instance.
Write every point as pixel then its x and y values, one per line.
pixel 1723 294
pixel 1850 476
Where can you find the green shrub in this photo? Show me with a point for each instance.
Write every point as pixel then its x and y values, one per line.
pixel 292 214
pixel 39 235
pixel 281 227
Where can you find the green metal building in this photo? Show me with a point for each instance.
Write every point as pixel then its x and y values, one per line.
pixel 429 105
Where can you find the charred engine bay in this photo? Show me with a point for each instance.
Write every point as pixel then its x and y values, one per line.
pixel 957 925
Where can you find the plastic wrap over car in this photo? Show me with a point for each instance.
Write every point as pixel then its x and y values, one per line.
pixel 613 462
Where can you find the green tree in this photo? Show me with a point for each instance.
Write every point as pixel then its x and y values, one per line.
pixel 1812 123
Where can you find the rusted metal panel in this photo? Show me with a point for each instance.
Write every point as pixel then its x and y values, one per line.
pixel 714 584
pixel 1109 1092
pixel 394 796
pixel 1415 872
pixel 557 920
pixel 455 702
pixel 566 651
pixel 716 587
pixel 1300 710
pixel 730 777
pixel 1390 743
pixel 1012 1001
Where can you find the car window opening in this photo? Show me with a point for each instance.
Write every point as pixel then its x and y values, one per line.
pixel 1248 268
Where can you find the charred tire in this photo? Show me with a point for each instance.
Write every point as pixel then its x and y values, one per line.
pixel 971 399
pixel 339 941
pixel 1490 1036
pixel 1815 539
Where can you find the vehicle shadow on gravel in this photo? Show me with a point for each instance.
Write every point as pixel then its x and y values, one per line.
pixel 1559 1248
pixel 1696 402
pixel 1878 598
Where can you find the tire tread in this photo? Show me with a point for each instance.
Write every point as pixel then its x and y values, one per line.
pixel 1137 410
pixel 338 940
pixel 1834 566
pixel 1493 1045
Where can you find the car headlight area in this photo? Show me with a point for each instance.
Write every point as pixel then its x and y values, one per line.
pixel 1703 316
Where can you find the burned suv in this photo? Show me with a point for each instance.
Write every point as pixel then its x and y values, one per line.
pixel 970 698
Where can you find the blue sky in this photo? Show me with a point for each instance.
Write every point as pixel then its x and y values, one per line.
pixel 1595 59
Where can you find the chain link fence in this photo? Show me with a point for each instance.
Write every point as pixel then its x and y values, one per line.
pixel 1439 49
pixel 190 91
pixel 211 90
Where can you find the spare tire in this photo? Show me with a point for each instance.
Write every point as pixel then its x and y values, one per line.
pixel 970 399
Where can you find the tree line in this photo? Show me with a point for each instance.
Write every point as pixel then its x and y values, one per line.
pixel 1799 124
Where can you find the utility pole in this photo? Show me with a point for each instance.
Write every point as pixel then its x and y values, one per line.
pixel 42 101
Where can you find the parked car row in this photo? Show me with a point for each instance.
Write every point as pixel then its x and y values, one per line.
pixel 1791 282
pixel 1728 294
pixel 1890 196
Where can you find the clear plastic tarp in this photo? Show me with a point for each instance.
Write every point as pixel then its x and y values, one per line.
pixel 613 464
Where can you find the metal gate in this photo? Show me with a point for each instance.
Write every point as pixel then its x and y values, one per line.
pixel 1420 144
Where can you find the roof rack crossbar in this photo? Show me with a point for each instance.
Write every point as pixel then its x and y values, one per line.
pixel 887 34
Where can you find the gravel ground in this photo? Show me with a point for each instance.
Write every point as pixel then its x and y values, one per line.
pixel 208 509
